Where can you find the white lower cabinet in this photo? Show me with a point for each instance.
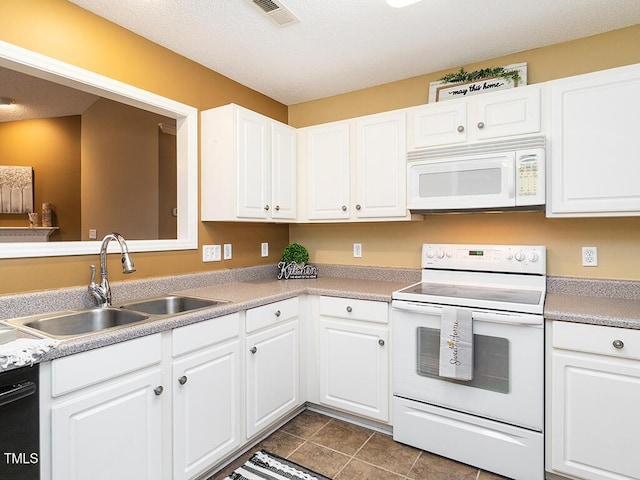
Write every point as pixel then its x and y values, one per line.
pixel 272 364
pixel 103 419
pixel 206 394
pixel 175 404
pixel 353 356
pixel 595 395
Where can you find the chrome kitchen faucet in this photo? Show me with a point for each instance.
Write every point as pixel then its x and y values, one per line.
pixel 102 292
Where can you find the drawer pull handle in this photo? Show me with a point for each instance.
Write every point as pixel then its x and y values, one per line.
pixel 381 342
pixel 158 390
pixel 266 208
pixel 253 350
pixel 277 313
pixel 182 380
pixel 619 344
pixel 349 309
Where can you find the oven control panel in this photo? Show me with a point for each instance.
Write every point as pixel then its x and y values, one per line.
pixel 489 258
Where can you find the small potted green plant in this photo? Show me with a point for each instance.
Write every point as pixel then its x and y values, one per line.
pixel 294 263
pixel 294 252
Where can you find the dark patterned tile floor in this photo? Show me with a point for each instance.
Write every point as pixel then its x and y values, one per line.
pixel 344 451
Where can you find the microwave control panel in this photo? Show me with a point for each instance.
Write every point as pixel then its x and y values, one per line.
pixel 530 177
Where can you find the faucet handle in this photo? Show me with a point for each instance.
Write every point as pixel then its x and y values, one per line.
pixel 92 282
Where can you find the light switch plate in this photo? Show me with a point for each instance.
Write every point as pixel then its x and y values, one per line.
pixel 228 252
pixel 264 249
pixel 211 253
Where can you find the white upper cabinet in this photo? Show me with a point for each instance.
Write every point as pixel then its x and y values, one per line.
pixel 284 162
pixel 594 149
pixel 248 166
pixel 354 169
pixel 489 116
pixel 381 179
pixel 327 157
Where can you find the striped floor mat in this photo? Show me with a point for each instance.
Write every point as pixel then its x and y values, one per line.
pixel 268 466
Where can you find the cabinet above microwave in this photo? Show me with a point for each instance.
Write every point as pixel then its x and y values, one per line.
pixel 484 117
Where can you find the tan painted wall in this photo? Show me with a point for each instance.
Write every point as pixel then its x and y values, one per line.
pixel 398 244
pixel 64 31
pixel 52 147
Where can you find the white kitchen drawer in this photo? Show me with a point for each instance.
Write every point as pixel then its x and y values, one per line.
pixel 95 366
pixel 202 334
pixel 271 314
pixel 355 309
pixel 597 339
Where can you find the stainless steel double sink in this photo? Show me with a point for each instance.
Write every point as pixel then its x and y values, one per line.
pixel 73 323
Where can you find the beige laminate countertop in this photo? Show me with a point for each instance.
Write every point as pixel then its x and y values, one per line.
pixel 235 297
pixel 595 310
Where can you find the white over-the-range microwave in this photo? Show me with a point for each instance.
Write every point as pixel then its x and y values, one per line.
pixel 489 176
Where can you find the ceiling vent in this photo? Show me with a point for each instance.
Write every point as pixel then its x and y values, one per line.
pixel 276 11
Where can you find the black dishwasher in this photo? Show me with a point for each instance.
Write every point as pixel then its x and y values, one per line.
pixel 19 424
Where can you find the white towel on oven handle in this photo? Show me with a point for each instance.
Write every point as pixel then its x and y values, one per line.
pixel 456 343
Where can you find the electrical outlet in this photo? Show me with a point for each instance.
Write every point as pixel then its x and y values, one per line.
pixel 227 251
pixel 357 250
pixel 589 256
pixel 211 253
pixel 265 249
pixel 93 234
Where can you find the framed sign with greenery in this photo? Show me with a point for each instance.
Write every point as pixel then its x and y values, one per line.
pixel 462 84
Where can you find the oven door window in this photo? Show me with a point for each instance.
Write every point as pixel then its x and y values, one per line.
pixel 490 360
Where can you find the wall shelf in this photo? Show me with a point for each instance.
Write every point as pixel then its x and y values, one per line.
pixel 25 234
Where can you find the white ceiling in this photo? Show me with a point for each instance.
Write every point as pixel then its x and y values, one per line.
pixel 344 45
pixel 38 98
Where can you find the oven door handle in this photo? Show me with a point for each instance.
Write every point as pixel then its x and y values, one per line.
pixel 11 393
pixel 505 318
pixel 417 307
pixel 510 318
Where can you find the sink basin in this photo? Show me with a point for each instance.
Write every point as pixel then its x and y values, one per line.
pixel 84 321
pixel 171 304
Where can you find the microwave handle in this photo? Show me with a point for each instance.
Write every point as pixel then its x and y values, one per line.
pixel 531 157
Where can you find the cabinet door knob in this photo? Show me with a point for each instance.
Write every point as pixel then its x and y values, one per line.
pixel 358 207
pixel 158 390
pixel 480 124
pixel 381 342
pixel 619 344
pixel 460 128
pixel 253 350
pixel 277 207
pixel 277 313
pixel 344 208
pixel 266 207
pixel 182 380
pixel 349 309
